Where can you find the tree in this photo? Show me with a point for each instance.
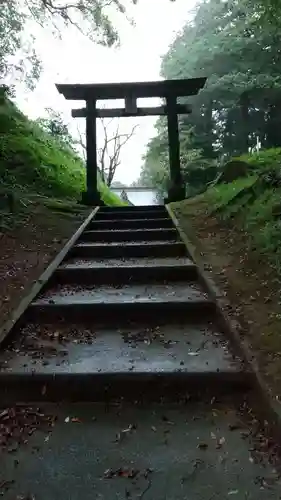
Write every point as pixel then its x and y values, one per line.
pixel 90 17
pixel 109 153
pixel 117 184
pixel 232 43
pixel 18 59
pixel 227 43
pixel 55 126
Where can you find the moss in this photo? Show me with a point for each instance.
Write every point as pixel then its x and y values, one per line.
pixel 253 203
pixel 33 161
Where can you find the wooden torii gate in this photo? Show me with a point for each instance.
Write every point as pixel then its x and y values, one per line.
pixel 169 90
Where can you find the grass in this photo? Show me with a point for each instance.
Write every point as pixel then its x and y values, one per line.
pixel 32 161
pixel 253 203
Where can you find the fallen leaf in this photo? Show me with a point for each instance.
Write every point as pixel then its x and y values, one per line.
pixel 129 473
pixel 221 441
pixel 234 427
pixel 108 473
pixel 121 472
pixel 202 446
pixel 169 422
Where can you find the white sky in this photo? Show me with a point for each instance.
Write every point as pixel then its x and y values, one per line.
pixel 74 59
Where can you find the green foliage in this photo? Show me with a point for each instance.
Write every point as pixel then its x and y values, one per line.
pixel 264 159
pixel 18 59
pixel 225 194
pixel 33 160
pixel 253 202
pixel 54 125
pixel 197 171
pixel 236 46
pixel 239 55
pixel 93 18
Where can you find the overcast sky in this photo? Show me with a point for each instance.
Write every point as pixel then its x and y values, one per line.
pixel 74 59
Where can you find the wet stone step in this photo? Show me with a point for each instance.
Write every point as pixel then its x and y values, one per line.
pixel 133 293
pixel 141 214
pixel 130 262
pixel 189 348
pixel 134 209
pixel 134 300
pixel 131 223
pixel 129 249
pixel 127 244
pixel 195 451
pixel 87 274
pixel 134 235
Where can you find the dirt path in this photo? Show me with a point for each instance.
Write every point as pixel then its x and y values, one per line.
pixel 29 241
pixel 249 283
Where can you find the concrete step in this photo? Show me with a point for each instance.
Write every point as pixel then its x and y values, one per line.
pixel 131 299
pixel 135 208
pixel 128 262
pixel 94 274
pixel 140 214
pixel 190 348
pixel 131 223
pixel 129 249
pixel 130 235
pixel 137 451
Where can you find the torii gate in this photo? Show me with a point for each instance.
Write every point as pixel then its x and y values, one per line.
pixel 169 90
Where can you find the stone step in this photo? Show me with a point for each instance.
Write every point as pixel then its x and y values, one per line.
pixel 29 387
pixel 138 451
pixel 131 223
pixel 135 208
pixel 141 214
pixel 128 262
pixel 135 235
pixel 133 299
pixel 129 249
pixel 93 274
pixel 130 293
pixel 190 348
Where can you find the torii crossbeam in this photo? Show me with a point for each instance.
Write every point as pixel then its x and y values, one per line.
pixel 169 90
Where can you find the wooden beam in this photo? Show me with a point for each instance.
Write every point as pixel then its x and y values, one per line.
pixel 162 88
pixel 181 109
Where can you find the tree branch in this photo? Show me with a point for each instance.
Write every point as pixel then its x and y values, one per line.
pixel 109 157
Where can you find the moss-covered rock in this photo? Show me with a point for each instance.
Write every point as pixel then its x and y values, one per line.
pixel 232 170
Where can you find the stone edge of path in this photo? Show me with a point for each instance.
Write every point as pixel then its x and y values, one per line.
pixel 267 409
pixel 18 313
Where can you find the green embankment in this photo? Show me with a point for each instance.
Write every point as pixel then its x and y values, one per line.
pixel 253 202
pixel 32 161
